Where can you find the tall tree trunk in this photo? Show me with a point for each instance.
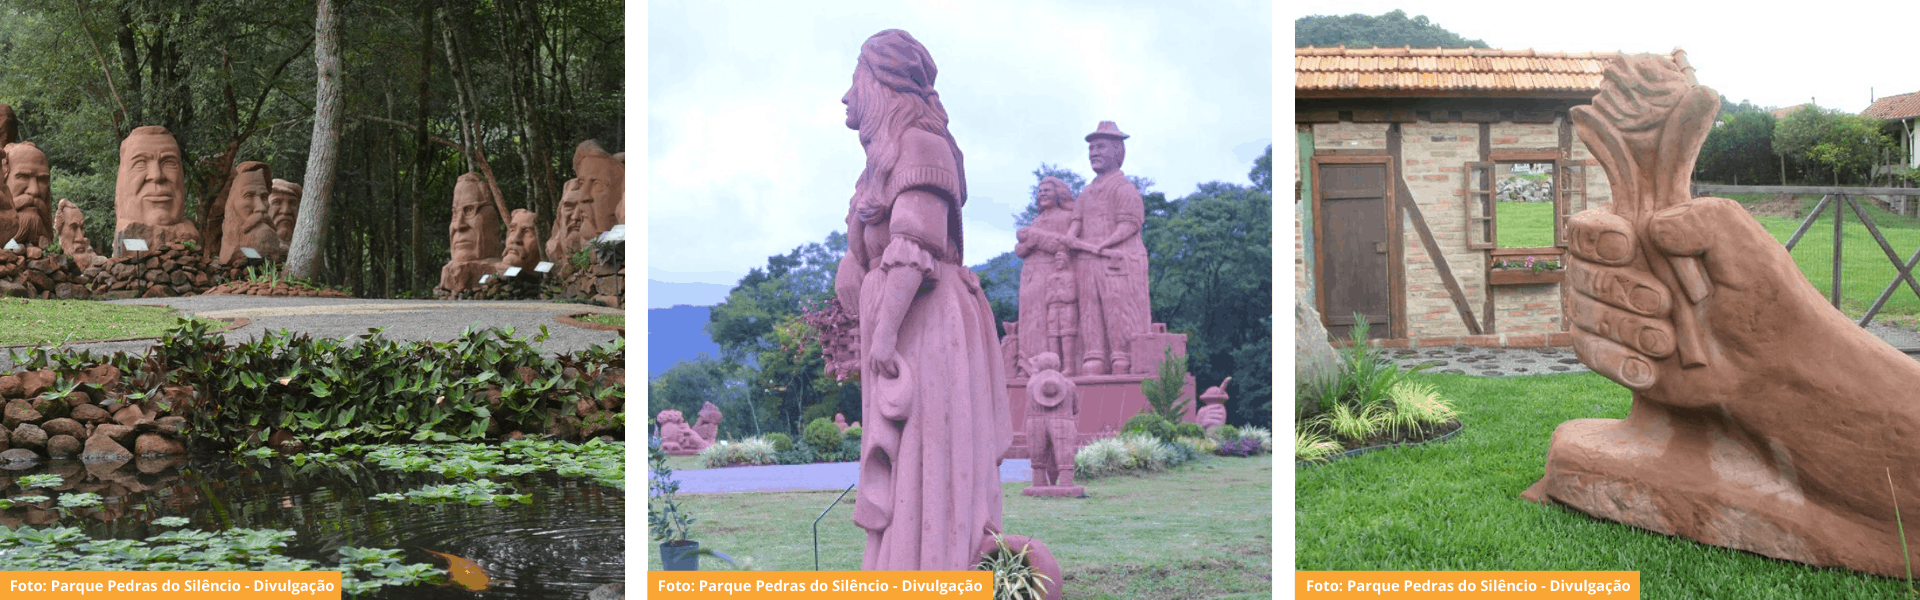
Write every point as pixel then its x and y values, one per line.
pixel 469 131
pixel 423 157
pixel 328 109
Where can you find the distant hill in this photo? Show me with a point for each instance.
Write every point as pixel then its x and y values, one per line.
pixel 675 334
pixel 667 294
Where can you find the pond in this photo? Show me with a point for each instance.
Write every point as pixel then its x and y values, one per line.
pixel 564 538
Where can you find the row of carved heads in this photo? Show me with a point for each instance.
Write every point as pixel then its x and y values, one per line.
pixel 590 204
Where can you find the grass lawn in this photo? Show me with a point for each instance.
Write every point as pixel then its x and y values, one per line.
pixel 1197 531
pixel 1865 269
pixel 615 320
pixel 40 322
pixel 1523 224
pixel 1455 506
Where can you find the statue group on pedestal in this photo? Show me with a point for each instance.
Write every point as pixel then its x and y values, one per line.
pixel 590 204
pixel 1083 280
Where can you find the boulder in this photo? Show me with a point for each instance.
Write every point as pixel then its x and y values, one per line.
pixel 30 436
pixel 130 415
pixel 64 426
pixel 19 458
pixel 63 446
pixel 154 444
pixel 19 411
pixel 102 448
pixel 33 383
pixel 115 431
pixel 90 413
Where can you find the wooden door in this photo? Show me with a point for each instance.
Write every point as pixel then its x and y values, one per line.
pixel 1355 254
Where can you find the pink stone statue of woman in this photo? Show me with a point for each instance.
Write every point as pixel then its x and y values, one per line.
pixel 934 387
pixel 1053 231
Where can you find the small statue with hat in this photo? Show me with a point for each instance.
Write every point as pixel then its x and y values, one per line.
pixel 1053 404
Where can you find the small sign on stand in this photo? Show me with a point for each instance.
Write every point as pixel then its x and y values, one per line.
pixel 135 247
pixel 251 254
pixel 511 272
pixel 543 268
pixel 484 278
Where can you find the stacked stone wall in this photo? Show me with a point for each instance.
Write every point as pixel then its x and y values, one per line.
pixel 32 272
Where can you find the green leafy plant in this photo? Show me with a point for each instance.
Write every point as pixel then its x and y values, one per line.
pixel 1164 392
pixel 823 436
pixel 1224 433
pixel 1530 264
pixel 781 442
pixel 1014 577
pixel 668 522
pixel 1357 424
pixel 750 451
pixel 1311 446
pixel 1189 430
pixel 1149 424
pixel 44 480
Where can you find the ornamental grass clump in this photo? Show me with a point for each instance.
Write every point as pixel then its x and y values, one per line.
pixel 750 451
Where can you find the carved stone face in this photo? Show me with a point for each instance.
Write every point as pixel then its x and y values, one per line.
pixel 576 209
pixel 246 223
pixel 1106 153
pixel 475 228
pixel 523 241
pixel 855 103
pixel 27 185
pixel 70 224
pixel 600 180
pixel 283 204
pixel 151 186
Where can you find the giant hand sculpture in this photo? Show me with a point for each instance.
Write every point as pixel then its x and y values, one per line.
pixel 1762 418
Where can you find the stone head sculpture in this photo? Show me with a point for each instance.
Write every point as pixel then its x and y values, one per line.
pixel 283 205
pixel 603 180
pixel 1106 147
pixel 474 233
pixel 9 126
pixel 70 224
pixel 149 196
pixel 523 241
pixel 27 186
pixel 247 222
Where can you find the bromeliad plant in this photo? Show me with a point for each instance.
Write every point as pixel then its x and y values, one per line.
pixel 1014 577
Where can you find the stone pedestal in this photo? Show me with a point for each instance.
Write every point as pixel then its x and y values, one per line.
pixel 1106 402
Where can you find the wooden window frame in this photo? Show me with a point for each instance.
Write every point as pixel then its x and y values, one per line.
pixel 1563 196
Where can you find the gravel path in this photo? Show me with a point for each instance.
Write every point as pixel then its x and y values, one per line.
pixel 1511 362
pixel 436 320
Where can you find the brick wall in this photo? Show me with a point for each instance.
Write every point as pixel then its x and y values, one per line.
pixel 1433 157
pixel 1350 136
pixel 1527 308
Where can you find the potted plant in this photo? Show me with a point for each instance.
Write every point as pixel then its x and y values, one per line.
pixel 670 523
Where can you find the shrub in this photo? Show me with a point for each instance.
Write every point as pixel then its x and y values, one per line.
pixel 1149 424
pixel 1130 452
pixel 822 435
pixel 751 451
pixel 1311 446
pixel 1164 393
pixel 799 454
pixel 852 433
pixel 781 442
pixel 1260 434
pixel 1366 377
pixel 1224 434
pixel 1189 430
pixel 849 450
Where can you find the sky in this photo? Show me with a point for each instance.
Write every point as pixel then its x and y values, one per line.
pixel 748 154
pixel 1774 55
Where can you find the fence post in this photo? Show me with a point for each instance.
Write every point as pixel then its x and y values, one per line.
pixel 1838 215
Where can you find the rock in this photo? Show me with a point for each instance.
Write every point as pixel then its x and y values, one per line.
pixel 19 458
pixel 612 591
pixel 6 438
pixel 102 448
pixel 11 387
pixel 34 383
pixel 1313 355
pixel 154 444
pixel 115 431
pixel 29 436
pixel 63 446
pixel 12 290
pixel 77 398
pixel 19 411
pixel 64 426
pixel 105 376
pixel 129 415
pixel 90 413
pixel 170 425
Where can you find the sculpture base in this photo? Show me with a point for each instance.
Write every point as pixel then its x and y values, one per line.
pixel 1065 491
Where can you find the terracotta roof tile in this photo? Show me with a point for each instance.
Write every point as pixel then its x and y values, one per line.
pixel 1447 69
pixel 1903 106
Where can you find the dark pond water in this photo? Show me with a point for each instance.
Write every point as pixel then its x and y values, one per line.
pixel 567 542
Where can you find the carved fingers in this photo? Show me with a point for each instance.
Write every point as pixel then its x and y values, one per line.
pixel 1620 312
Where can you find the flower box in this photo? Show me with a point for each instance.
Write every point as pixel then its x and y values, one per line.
pixel 1524 277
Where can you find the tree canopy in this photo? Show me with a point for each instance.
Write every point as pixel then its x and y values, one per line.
pixel 1842 146
pixel 1391 30
pixel 1739 148
pixel 235 81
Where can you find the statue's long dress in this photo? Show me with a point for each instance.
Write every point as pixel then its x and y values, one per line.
pixel 930 449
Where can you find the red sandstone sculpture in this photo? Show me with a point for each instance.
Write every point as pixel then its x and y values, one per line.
pixel 1762 419
pixel 27 186
pixel 1213 407
pixel 523 242
pixel 283 206
pixel 1112 270
pixel 1042 276
pixel 149 197
pixel 604 179
pixel 70 223
pixel 676 437
pixel 840 422
pixel 1053 404
pixel 709 425
pixel 474 236
pixel 573 226
pixel 248 222
pixel 9 126
pixel 932 377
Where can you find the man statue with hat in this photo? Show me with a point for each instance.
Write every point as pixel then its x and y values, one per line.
pixel 1113 271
